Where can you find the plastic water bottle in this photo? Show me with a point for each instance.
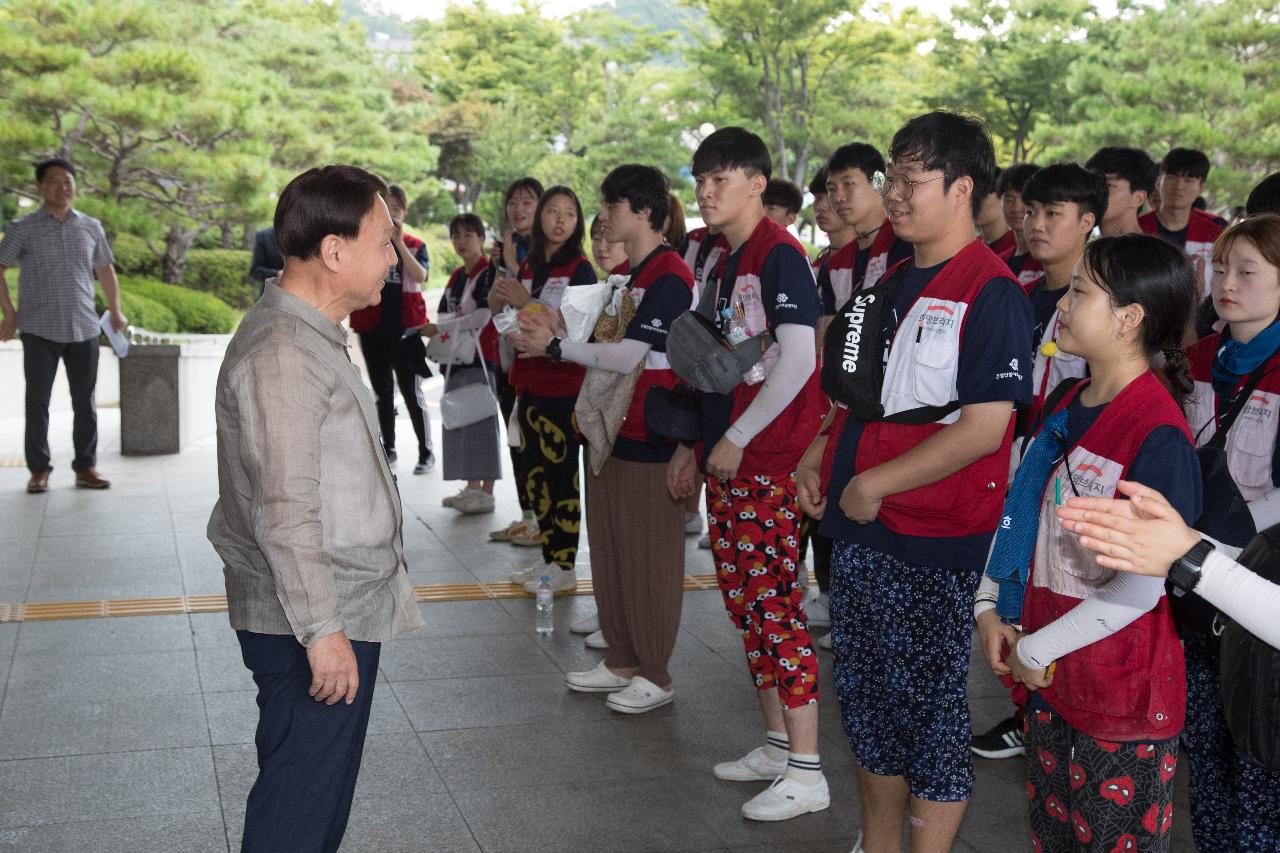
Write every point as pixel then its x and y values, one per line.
pixel 735 331
pixel 545 602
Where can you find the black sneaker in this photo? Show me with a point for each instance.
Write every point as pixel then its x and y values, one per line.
pixel 1004 740
pixel 425 463
pixel 391 455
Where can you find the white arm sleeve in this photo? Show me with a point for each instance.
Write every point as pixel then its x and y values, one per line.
pixel 796 362
pixel 1113 607
pixel 1247 598
pixel 618 356
pixel 473 322
pixel 1266 509
pixel 985 599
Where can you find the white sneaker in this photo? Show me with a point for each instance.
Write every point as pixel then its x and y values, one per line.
pixel 530 536
pixel 474 502
pixel 452 500
pixel 692 523
pixel 533 573
pixel 596 640
pixel 561 580
pixel 588 624
pixel 504 534
pixel 824 642
pixel 705 542
pixel 787 798
pixel 597 680
pixel 816 611
pixel 755 766
pixel 639 696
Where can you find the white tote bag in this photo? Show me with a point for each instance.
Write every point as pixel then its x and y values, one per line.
pixel 471 403
pixel 447 348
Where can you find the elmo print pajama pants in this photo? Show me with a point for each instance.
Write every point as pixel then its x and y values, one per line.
pixel 1096 796
pixel 754 525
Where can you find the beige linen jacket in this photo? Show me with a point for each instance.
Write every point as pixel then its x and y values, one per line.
pixel 308 518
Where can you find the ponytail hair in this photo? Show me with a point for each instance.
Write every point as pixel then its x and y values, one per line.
pixel 1137 268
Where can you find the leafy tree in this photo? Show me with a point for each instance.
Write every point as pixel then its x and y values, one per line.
pixel 1007 61
pixel 1218 90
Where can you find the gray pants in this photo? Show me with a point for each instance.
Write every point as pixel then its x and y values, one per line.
pixel 40 358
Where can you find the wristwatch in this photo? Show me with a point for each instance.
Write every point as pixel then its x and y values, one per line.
pixel 1184 574
pixel 553 350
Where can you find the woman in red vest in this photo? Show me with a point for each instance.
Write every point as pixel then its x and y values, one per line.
pixel 1246 294
pixel 547 388
pixel 1098 649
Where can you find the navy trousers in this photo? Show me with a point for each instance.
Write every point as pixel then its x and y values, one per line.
pixel 308 752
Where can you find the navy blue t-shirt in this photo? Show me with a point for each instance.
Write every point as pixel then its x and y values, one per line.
pixel 1043 303
pixel 1017 262
pixel 899 250
pixel 1177 238
pixel 664 300
pixel 997 328
pixel 787 295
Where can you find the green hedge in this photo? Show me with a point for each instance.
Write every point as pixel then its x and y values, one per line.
pixel 142 312
pixel 222 272
pixel 196 312
pixel 134 258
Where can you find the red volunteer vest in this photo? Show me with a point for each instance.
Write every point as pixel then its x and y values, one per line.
pixel 1252 438
pixel 1202 231
pixel 541 376
pixel 778 447
pixel 710 258
pixel 841 265
pixel 1133 684
pixel 657 370
pixel 1032 271
pixel 1005 246
pixel 413 308
pixel 922 370
pixel 459 280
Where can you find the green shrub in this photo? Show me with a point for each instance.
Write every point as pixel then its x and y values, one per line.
pixel 134 258
pixel 222 272
pixel 142 313
pixel 196 312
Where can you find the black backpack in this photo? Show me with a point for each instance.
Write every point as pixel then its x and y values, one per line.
pixel 1249 669
pixel 853 356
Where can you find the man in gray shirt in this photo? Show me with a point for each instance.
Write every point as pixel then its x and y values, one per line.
pixel 60 250
pixel 308 519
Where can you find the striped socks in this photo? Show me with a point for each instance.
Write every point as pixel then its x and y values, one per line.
pixel 805 769
pixel 776 746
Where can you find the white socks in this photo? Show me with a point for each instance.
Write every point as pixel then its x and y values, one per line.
pixel 805 769
pixel 776 746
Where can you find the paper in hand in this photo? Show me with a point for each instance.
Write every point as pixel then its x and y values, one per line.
pixel 118 341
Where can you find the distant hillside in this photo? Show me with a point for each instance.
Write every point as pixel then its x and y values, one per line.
pixel 375 18
pixel 663 15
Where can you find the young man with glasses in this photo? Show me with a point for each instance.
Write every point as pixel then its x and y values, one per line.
pixel 914 505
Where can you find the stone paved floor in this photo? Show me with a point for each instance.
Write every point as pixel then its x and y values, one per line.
pixel 135 734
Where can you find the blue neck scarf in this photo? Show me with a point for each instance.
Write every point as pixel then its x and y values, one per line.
pixel 1015 542
pixel 1235 359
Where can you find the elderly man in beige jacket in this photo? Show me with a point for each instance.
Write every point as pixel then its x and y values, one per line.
pixel 308 519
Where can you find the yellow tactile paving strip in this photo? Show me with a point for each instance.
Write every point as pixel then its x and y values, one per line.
pixel 12 463
pixel 170 605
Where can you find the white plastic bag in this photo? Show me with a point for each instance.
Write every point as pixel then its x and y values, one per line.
pixel 581 308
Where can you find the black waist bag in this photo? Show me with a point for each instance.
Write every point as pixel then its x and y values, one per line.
pixel 701 355
pixel 1250 669
pixel 853 358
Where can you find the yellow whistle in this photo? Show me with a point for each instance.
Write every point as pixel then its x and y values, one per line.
pixel 1049 349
